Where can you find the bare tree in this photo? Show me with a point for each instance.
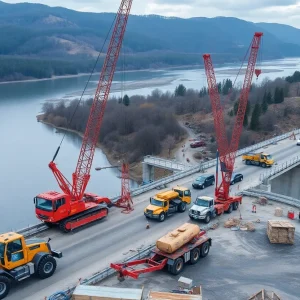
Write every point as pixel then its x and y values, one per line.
pixel 169 143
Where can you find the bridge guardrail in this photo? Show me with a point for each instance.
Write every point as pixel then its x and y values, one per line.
pixel 195 169
pixel 277 169
pixel 99 276
pixel 272 196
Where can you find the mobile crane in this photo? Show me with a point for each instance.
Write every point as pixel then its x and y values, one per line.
pixel 227 152
pixel 74 207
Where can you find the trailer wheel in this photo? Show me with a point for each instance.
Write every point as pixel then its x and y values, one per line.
pixel 235 205
pixel 204 249
pixel 207 218
pixel 182 207
pixel 46 267
pixel 4 286
pixel 162 217
pixel 195 256
pixel 229 210
pixel 177 267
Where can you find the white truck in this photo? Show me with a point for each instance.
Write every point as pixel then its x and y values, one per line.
pixel 204 208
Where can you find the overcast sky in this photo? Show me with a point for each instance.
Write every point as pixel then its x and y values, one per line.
pixel 277 11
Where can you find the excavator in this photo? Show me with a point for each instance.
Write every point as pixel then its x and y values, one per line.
pixel 74 207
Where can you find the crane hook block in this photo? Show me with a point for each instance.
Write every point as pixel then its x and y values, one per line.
pixel 257 72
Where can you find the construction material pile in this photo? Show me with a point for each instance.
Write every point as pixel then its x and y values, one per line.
pixel 281 232
pixel 232 222
pixel 278 212
pixel 177 238
pixel 236 223
pixel 248 226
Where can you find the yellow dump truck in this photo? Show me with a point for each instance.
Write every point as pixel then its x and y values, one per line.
pixel 167 203
pixel 259 159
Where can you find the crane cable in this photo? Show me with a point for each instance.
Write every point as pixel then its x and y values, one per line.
pixel 87 83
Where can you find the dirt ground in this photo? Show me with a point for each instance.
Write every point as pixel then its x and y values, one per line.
pixel 240 263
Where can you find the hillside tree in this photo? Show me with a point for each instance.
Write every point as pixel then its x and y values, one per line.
pixel 264 104
pixel 126 100
pixel 180 91
pixel 254 124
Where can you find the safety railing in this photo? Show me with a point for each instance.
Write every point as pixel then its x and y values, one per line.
pixel 165 163
pixel 272 196
pixel 99 276
pixel 279 168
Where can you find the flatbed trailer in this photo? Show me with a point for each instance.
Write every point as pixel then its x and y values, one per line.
pixel 190 252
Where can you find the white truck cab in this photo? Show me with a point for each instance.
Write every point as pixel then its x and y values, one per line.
pixel 203 209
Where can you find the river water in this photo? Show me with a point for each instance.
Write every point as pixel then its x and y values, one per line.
pixel 27 146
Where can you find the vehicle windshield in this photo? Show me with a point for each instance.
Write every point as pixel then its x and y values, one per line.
pixel 201 202
pixel 2 247
pixel 268 156
pixel 43 204
pixel 200 179
pixel 157 202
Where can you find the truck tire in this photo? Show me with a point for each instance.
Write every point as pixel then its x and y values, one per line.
pixel 235 205
pixel 46 267
pixel 205 249
pixel 247 162
pixel 177 267
pixel 195 256
pixel 5 284
pixel 162 217
pixel 182 207
pixel 263 165
pixel 230 208
pixel 207 218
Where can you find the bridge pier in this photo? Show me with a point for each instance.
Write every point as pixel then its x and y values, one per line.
pixel 148 172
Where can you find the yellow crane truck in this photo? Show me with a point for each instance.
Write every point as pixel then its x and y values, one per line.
pixel 259 159
pixel 20 259
pixel 167 203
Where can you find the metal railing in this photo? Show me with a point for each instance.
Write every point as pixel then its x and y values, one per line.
pixel 99 276
pixel 165 163
pixel 277 169
pixel 272 196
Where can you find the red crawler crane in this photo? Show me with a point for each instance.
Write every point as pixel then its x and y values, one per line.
pixel 228 151
pixel 74 208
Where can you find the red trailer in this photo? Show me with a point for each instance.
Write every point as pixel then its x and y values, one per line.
pixel 190 252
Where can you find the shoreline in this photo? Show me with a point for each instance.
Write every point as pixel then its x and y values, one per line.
pixel 97 73
pixel 133 175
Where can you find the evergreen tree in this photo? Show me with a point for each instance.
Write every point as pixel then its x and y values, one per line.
pixel 281 95
pixel 245 122
pixel 180 90
pixel 254 124
pixel 269 98
pixel 236 107
pixel 264 104
pixel 219 87
pixel 277 95
pixel 248 109
pixel 126 100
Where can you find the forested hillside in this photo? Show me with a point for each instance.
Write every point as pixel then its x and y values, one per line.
pixel 40 34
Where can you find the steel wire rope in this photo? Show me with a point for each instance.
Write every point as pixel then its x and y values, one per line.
pixel 87 83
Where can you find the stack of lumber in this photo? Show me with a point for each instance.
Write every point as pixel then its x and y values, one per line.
pixel 281 232
pixel 278 212
pixel 87 292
